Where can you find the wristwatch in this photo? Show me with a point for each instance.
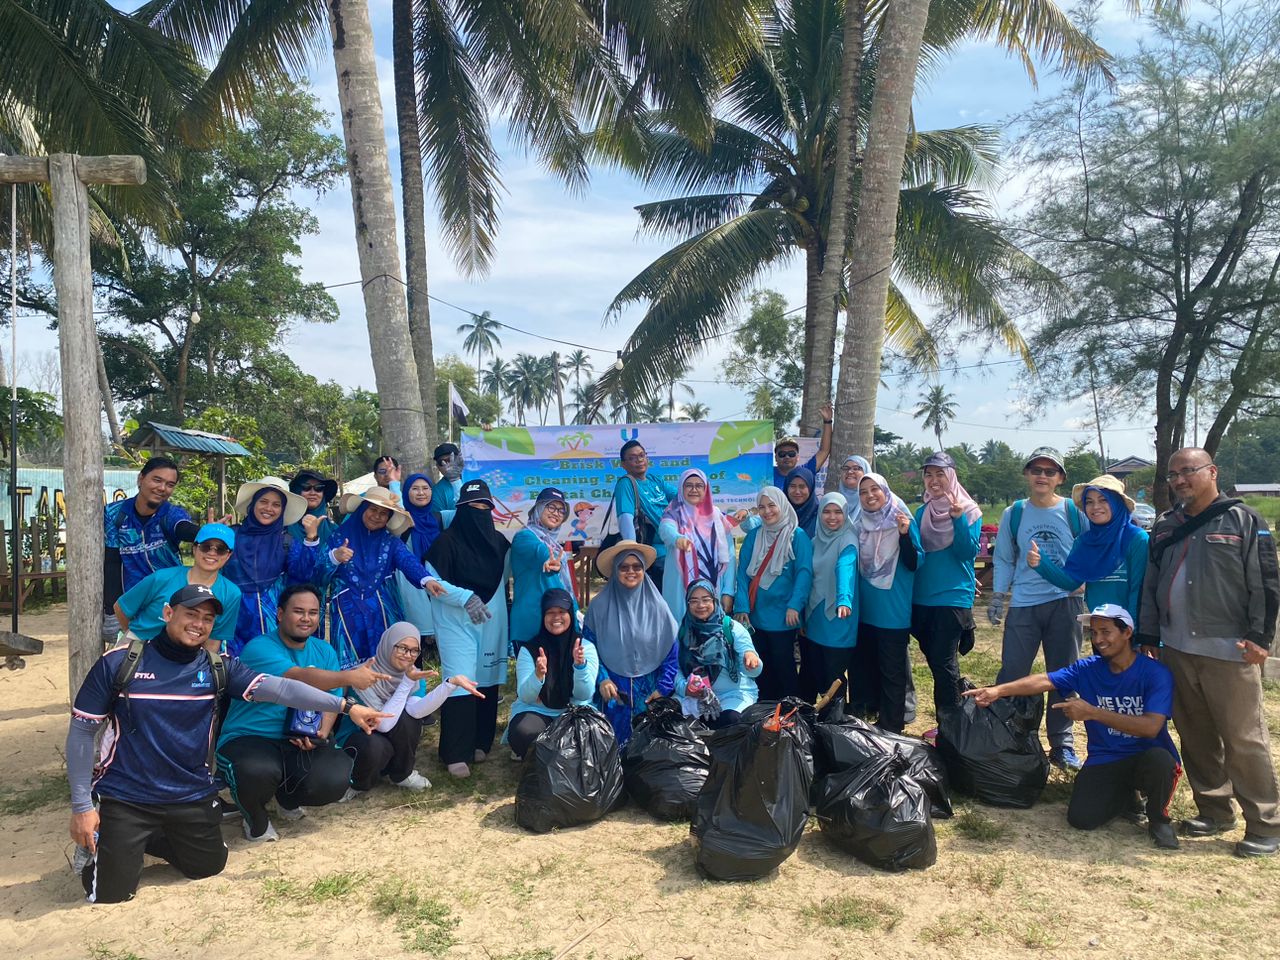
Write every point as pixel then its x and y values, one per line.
pixel 347 704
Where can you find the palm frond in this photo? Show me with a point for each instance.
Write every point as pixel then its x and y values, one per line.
pixel 967 155
pixel 684 216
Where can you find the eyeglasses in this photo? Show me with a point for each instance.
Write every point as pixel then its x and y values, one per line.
pixel 405 650
pixel 631 568
pixel 787 454
pixel 635 457
pixel 554 507
pixel 695 486
pixel 1041 471
pixel 1186 473
pixel 382 471
pixel 217 549
pixel 315 487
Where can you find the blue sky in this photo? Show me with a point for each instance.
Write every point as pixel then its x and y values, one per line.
pixel 561 258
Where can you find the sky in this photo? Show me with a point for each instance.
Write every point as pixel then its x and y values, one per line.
pixel 561 258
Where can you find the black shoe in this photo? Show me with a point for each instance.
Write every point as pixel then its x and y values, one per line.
pixel 1206 826
pixel 1163 836
pixel 1255 846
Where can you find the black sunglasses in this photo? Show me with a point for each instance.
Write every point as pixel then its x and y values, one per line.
pixel 312 488
pixel 217 549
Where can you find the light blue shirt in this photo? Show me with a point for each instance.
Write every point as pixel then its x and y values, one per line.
pixel 1050 528
pixel 528 686
pixel 890 608
pixel 947 579
pixel 832 631
pixel 789 591
pixel 143 603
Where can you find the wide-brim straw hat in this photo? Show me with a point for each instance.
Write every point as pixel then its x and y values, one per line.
pixel 1104 482
pixel 605 561
pixel 294 506
pixel 379 497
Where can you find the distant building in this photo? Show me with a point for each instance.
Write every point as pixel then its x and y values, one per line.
pixel 1121 469
pixel 1258 489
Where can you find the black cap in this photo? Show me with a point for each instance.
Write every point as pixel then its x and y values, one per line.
pixel 557 598
pixel 549 494
pixel 193 595
pixel 445 450
pixel 939 459
pixel 475 491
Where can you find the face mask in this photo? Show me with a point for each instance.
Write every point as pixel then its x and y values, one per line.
pixel 451 467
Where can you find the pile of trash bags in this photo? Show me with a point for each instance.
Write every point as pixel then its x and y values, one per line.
pixel 994 753
pixel 754 804
pixel 665 763
pixel 571 774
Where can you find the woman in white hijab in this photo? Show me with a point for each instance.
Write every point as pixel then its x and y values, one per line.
pixel 775 574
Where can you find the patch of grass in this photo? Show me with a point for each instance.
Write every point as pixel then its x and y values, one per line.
pixel 957 925
pixel 102 951
pixel 277 889
pixel 972 825
pixel 851 912
pixel 980 666
pixel 1037 936
pixel 428 924
pixel 988 875
pixel 51 788
pixel 333 886
pixel 539 953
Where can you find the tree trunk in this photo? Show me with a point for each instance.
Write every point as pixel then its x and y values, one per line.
pixel 813 309
pixel 817 387
pixel 394 369
pixel 413 208
pixel 873 236
pixel 108 401
pixel 81 416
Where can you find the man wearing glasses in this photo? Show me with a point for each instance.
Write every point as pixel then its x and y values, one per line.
pixel 1209 606
pixel 639 501
pixel 1039 614
pixel 786 452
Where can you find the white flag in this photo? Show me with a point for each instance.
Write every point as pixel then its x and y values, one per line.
pixel 460 409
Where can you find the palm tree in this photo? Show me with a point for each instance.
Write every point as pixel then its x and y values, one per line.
pixel 494 379
pixel 578 365
pixel 481 336
pixel 582 403
pixel 696 412
pixel 651 410
pixel 523 384
pixel 937 409
pixel 994 451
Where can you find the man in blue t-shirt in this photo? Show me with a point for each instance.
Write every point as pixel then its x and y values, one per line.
pixel 639 501
pixel 786 452
pixel 1124 701
pixel 147 787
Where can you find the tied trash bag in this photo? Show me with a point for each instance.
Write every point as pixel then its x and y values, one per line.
pixel 994 753
pixel 665 763
pixel 571 774
pixel 755 804
pixel 802 713
pixel 844 742
pixel 879 814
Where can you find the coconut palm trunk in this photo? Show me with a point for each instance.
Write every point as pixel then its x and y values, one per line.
pixel 413 208
pixel 873 235
pixel 817 387
pixel 369 168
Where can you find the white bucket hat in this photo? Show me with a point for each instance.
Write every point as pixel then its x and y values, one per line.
pixel 294 506
pixel 379 497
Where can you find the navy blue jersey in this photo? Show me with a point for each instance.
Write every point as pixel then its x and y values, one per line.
pixel 156 749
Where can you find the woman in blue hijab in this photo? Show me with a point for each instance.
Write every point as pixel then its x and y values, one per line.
pixel 1110 558
pixel 267 558
pixel 415 604
pixel 800 491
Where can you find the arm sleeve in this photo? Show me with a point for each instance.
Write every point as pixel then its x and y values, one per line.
pixel 112 578
pixel 1053 573
pixel 184 531
pixel 419 707
pixel 1003 556
pixel 847 579
pixel 803 547
pixel 402 559
pixel 624 506
pixel 395 705
pixel 1260 582
pixel 910 551
pixel 292 693
pixel 528 686
pixel 667 672
pixel 965 542
pixel 1149 618
pixel 744 580
pixel 139 596
pixel 1136 564
pixel 528 552
pixel 668 533
pixel 728 578
pixel 80 741
pixel 584 678
pixel 300 560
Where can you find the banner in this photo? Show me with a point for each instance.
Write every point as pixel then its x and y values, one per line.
pixel 583 462
pixel 40 492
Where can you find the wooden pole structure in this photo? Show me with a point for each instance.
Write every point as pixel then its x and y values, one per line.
pixel 67 174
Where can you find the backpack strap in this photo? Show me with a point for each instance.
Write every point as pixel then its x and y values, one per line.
pixel 1015 521
pixel 128 666
pixel 221 703
pixel 1073 517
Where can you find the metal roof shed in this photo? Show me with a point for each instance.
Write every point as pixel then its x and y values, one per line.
pixel 162 438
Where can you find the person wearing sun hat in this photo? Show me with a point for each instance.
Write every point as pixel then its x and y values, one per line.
pixel 1110 558
pixel 139 609
pixel 1125 701
pixel 266 558
pixel 318 491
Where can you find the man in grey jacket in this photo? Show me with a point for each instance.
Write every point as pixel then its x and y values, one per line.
pixel 1209 604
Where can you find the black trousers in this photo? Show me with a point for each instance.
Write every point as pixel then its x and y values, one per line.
pixel 827 665
pixel 525 728
pixel 881 672
pixel 468 724
pixel 777 649
pixel 259 768
pixel 392 753
pixel 938 631
pixel 1103 791
pixel 727 718
pixel 187 835
pixel 807 655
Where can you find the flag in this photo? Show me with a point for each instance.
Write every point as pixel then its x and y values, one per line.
pixel 456 406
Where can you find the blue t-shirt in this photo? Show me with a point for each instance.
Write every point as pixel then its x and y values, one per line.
pixel 145 545
pixel 654 497
pixel 157 749
pixel 144 602
pixel 780 478
pixel 267 653
pixel 1145 687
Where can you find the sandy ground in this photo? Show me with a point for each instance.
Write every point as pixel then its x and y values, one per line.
pixel 449 874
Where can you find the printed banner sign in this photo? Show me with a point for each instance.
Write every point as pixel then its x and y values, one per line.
pixel 582 461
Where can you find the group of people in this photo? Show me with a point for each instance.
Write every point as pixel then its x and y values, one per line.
pixel 805 591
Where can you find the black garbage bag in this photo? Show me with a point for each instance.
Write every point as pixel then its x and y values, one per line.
pixel 755 803
pixel 845 741
pixel 665 762
pixel 805 716
pixel 571 774
pixel 994 753
pixel 878 813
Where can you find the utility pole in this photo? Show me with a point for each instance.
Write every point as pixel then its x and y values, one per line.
pixel 555 375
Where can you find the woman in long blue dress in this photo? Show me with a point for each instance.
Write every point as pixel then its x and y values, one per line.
pixel 717 651
pixel 267 558
pixel 538 563
pixel 415 603
pixel 634 634
pixel 364 601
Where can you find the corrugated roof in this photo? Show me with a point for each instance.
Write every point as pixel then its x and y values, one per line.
pixel 185 441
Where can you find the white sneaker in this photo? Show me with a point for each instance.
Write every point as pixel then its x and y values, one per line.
pixel 267 835
pixel 351 794
pixel 297 813
pixel 481 756
pixel 414 781
pixel 459 770
pixel 516 757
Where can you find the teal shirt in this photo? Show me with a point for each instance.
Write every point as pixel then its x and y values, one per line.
pixel 527 556
pixel 890 608
pixel 947 579
pixel 267 653
pixel 832 631
pixel 654 497
pixel 143 603
pixel 1122 586
pixel 790 591
pixel 528 686
pixel 444 494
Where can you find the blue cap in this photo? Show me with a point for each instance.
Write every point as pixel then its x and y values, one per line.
pixel 217 531
pixel 1112 611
